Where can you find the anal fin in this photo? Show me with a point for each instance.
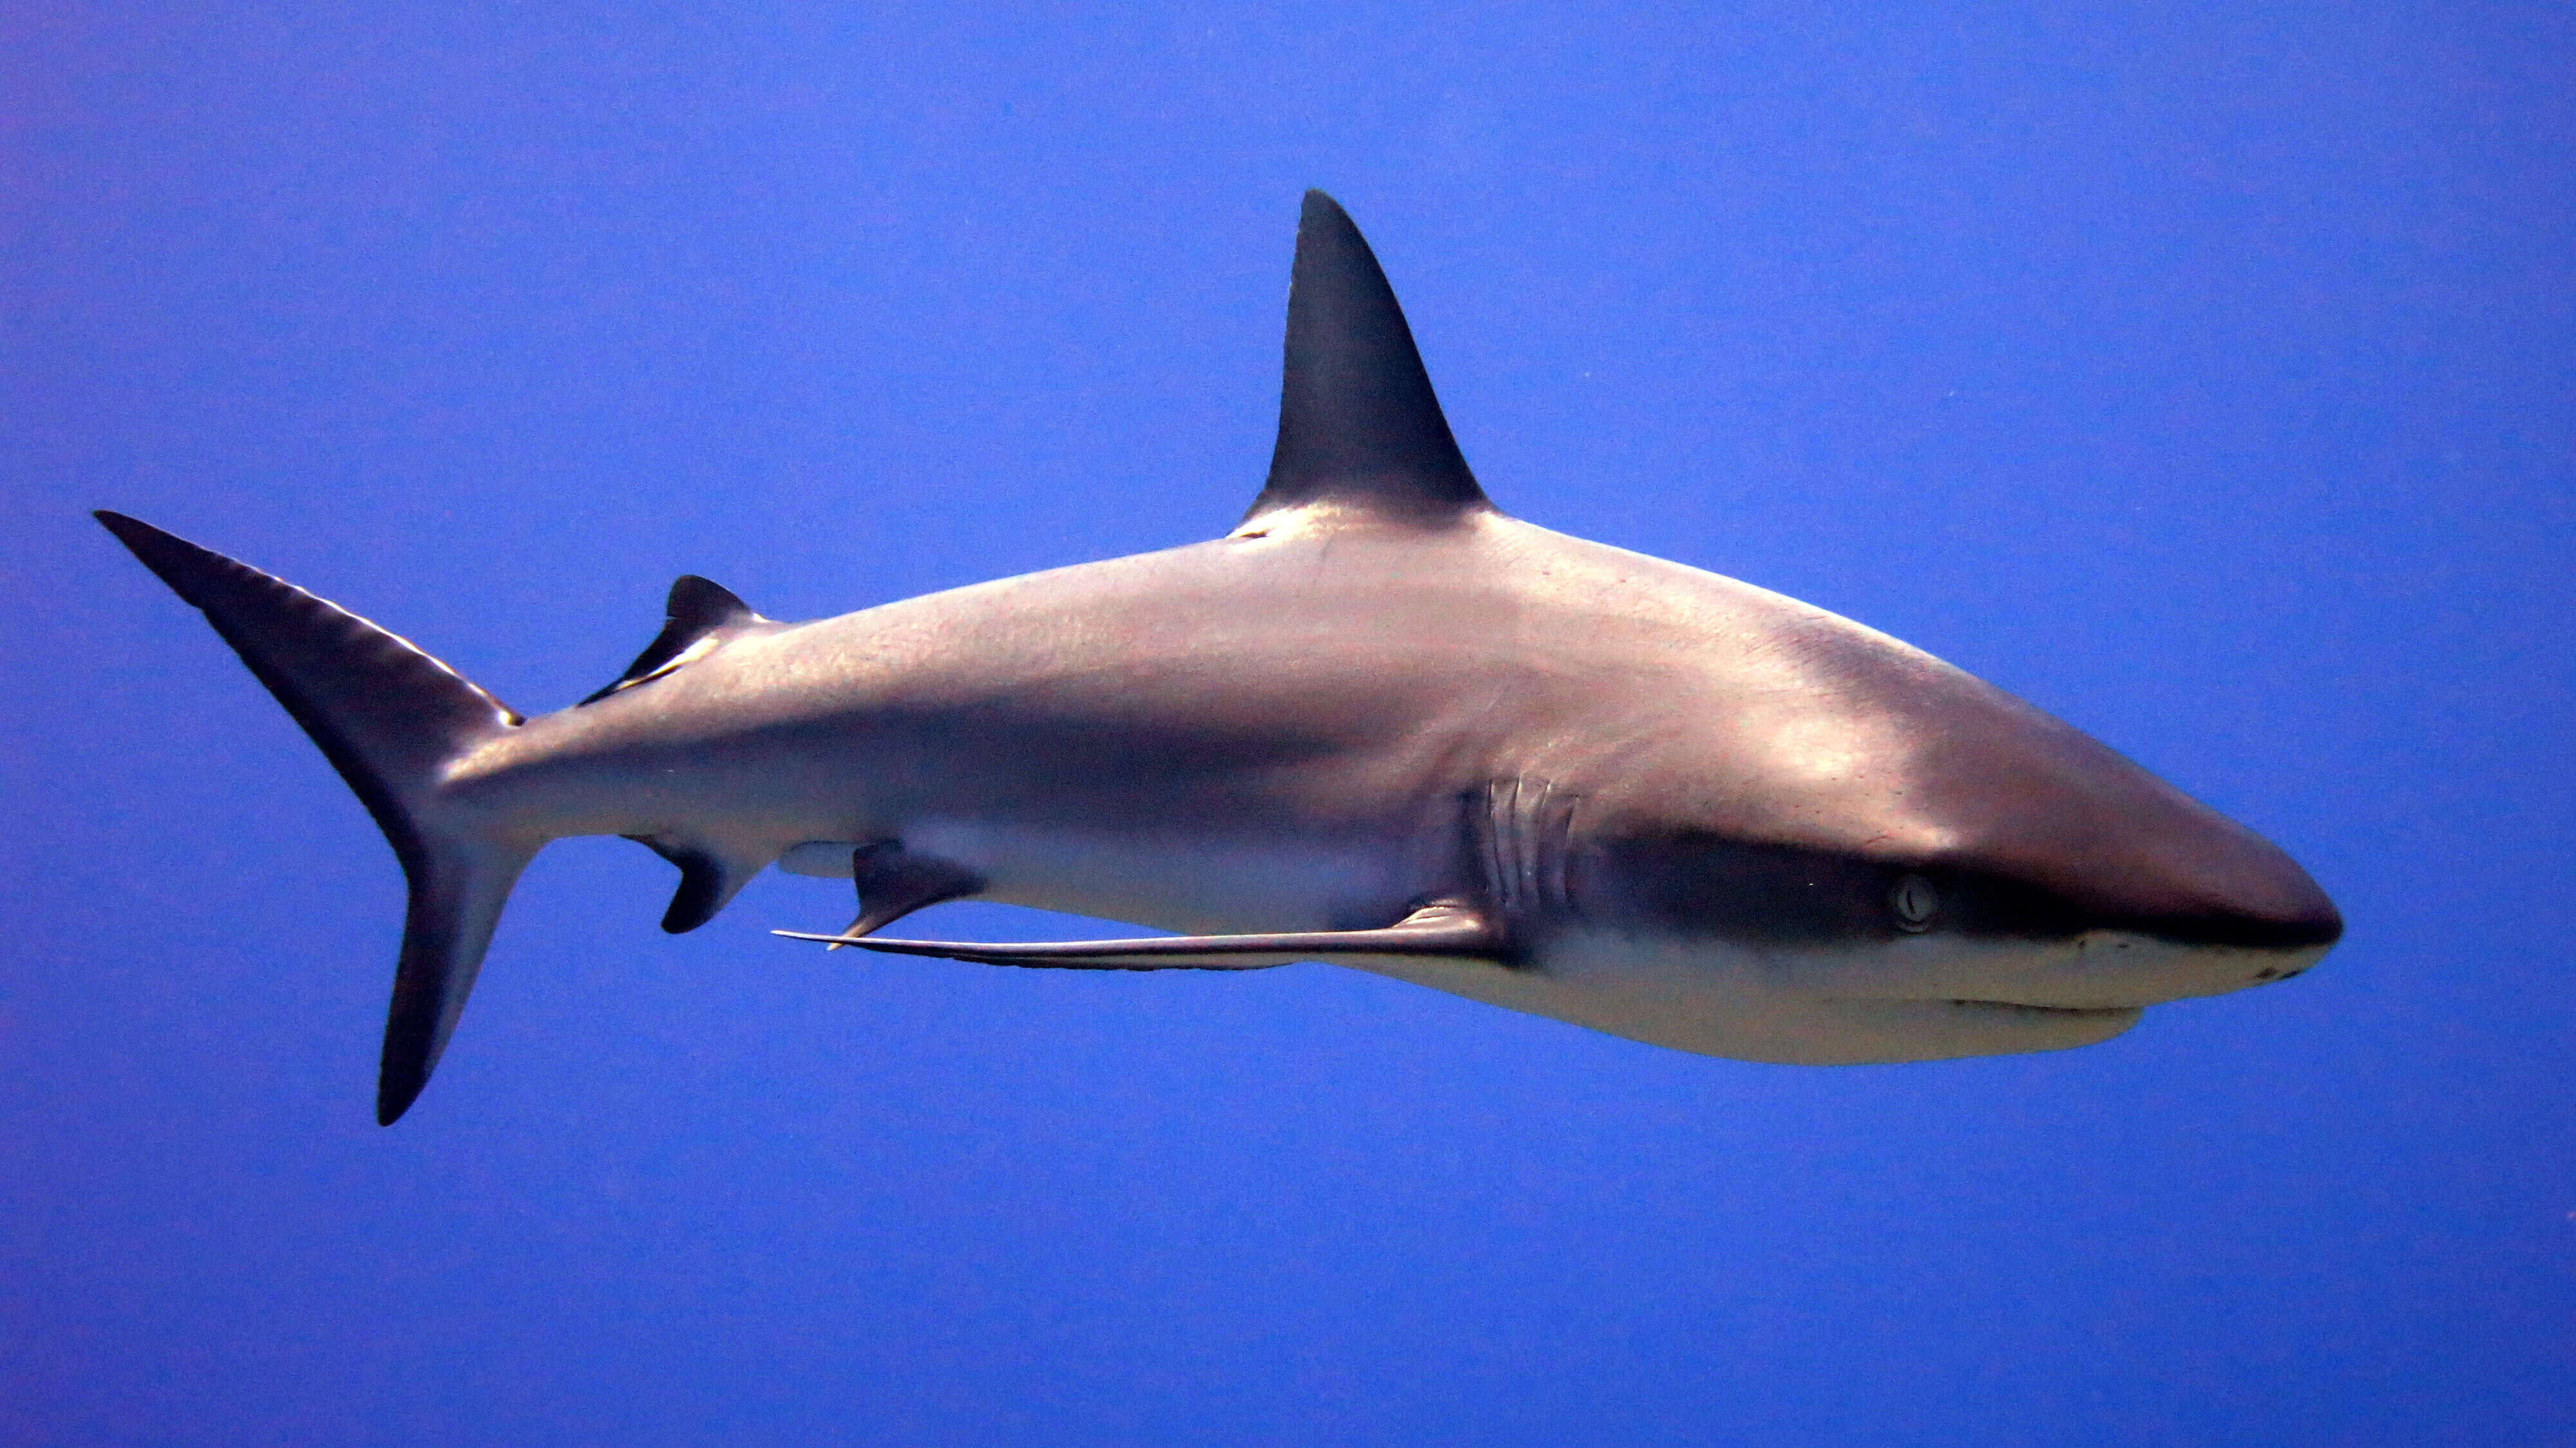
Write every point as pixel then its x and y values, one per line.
pixel 1444 928
pixel 707 882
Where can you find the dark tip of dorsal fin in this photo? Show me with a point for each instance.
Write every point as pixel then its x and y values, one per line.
pixel 704 604
pixel 697 608
pixel 1359 425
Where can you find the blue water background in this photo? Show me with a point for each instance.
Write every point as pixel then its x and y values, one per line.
pixel 2200 373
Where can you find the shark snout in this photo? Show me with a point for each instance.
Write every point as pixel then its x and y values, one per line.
pixel 2204 909
pixel 2136 894
pixel 2212 883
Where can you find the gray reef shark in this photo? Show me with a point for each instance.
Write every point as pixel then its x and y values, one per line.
pixel 1380 724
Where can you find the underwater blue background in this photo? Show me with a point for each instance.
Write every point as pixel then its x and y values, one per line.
pixel 2200 373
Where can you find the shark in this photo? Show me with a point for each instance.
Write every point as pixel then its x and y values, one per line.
pixel 1380 724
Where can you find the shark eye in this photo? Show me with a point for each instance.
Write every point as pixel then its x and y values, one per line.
pixel 1915 903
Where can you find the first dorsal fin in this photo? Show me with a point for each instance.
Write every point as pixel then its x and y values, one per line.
pixel 696 609
pixel 1359 427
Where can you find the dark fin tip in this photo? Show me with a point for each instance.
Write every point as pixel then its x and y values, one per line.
pixel 700 896
pixel 166 554
pixel 705 886
pixel 704 603
pixel 695 608
pixel 393 1097
pixel 1359 425
pixel 894 882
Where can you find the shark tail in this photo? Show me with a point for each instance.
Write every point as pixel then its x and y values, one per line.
pixel 392 720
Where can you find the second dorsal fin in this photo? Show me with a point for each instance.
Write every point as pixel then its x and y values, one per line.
pixel 696 609
pixel 1359 426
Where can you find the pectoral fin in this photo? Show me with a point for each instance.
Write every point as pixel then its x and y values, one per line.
pixel 1444 929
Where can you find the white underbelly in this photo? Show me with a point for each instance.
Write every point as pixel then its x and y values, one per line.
pixel 1797 1005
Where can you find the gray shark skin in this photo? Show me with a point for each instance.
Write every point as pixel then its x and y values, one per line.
pixel 1380 724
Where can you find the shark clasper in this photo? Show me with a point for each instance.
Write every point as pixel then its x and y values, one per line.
pixel 1380 724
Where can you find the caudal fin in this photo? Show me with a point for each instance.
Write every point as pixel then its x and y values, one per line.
pixel 391 719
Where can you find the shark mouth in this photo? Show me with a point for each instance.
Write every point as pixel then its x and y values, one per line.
pixel 2025 1008
pixel 1972 1011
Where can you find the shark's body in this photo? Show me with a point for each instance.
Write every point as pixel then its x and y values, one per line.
pixel 1381 724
